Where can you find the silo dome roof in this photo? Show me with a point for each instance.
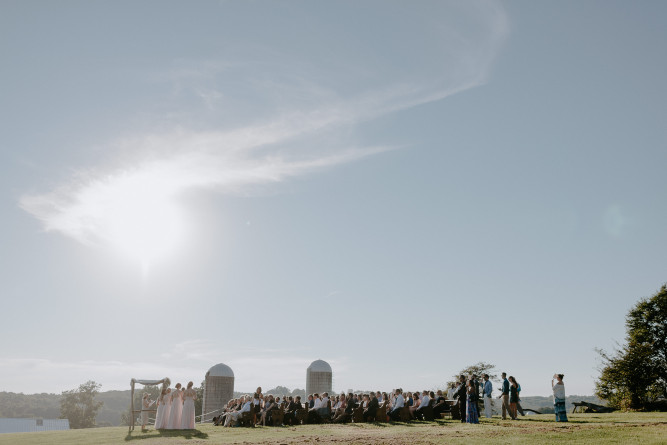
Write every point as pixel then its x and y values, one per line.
pixel 220 370
pixel 319 366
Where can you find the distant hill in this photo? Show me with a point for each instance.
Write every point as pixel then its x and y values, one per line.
pixel 47 406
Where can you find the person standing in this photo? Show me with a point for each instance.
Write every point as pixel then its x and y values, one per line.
pixel 176 408
pixel 160 409
pixel 462 394
pixel 514 397
pixel 188 416
pixel 486 392
pixel 145 405
pixel 164 421
pixel 472 416
pixel 505 396
pixel 559 397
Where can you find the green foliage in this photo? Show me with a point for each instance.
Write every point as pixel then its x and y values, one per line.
pixel 79 405
pixel 478 369
pixel 634 376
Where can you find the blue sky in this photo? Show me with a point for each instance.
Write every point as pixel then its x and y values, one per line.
pixel 399 188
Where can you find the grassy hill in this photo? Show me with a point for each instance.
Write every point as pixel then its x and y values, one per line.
pixel 616 428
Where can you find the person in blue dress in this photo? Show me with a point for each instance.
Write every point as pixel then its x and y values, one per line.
pixel 472 414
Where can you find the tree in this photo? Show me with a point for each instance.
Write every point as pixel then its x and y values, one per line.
pixel 634 376
pixel 79 405
pixel 478 369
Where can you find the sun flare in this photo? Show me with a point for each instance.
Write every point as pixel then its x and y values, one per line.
pixel 141 220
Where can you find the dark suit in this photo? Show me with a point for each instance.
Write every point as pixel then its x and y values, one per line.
pixel 371 409
pixel 462 395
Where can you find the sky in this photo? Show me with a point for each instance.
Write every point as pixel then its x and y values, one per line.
pixel 401 189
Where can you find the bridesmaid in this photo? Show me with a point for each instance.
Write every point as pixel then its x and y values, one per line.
pixel 164 422
pixel 188 417
pixel 176 408
pixel 160 408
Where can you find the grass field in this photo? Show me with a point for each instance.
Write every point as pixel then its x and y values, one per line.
pixel 617 428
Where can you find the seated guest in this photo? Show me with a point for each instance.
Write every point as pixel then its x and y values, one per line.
pixel 269 404
pixel 423 403
pixel 346 414
pixel 236 415
pixel 415 404
pixel 379 397
pixel 290 410
pixel 311 401
pixel 371 408
pixel 399 403
pixel 440 405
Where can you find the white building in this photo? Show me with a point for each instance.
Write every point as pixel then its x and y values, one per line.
pixel 32 425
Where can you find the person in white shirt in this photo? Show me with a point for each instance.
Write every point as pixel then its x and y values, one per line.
pixel 247 406
pixel 424 402
pixel 399 403
pixel 451 392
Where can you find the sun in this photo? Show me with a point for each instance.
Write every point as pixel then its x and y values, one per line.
pixel 144 224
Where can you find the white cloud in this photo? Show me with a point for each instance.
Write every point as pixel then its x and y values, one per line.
pixel 304 111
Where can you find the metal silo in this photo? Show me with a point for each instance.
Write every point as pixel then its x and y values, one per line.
pixel 218 390
pixel 318 377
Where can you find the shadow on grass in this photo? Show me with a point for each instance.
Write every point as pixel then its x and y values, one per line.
pixel 151 434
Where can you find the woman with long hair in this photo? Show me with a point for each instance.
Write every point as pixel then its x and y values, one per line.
pixel 558 389
pixel 188 415
pixel 514 396
pixel 472 416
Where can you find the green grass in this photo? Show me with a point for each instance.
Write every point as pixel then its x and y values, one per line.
pixel 616 428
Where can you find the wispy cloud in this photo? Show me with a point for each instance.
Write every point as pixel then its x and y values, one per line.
pixel 300 136
pixel 181 362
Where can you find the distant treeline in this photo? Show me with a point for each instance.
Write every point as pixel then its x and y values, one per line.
pixel 47 406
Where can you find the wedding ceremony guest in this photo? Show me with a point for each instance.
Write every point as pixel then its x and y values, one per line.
pixel 399 403
pixel 176 408
pixel 486 391
pixel 514 397
pixel 423 403
pixel 188 415
pixel 269 404
pixel 451 392
pixel 505 396
pixel 559 397
pixel 311 401
pixel 164 422
pixel 236 415
pixel 462 395
pixel 145 405
pixel 371 408
pixel 415 404
pixel 440 405
pixel 471 393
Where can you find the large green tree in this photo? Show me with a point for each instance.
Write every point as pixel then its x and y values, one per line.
pixel 634 376
pixel 79 405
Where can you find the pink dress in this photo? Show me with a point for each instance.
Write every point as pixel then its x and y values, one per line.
pixel 164 420
pixel 160 408
pixel 176 410
pixel 188 416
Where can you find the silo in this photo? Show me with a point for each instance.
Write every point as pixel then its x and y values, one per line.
pixel 218 390
pixel 318 377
